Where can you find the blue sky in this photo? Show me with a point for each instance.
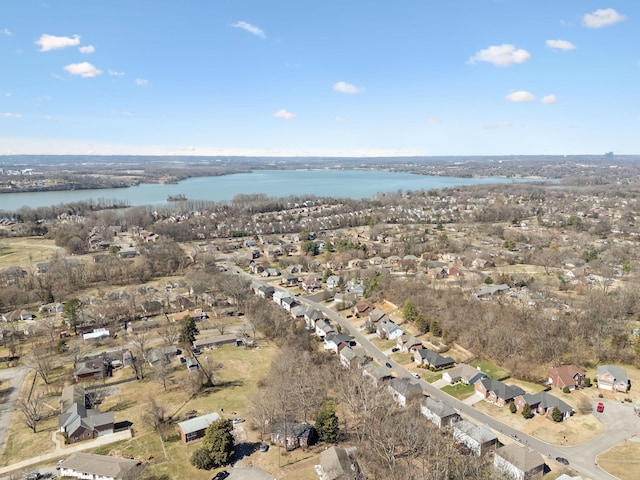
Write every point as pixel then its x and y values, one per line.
pixel 331 77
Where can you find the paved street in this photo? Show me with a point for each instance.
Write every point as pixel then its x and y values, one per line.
pixel 15 376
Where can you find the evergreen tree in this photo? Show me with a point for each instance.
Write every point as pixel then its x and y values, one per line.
pixel 188 331
pixel 526 411
pixel 409 310
pixel 202 460
pixel 71 313
pixel 217 446
pixel 512 407
pixel 327 422
pixel 556 414
pixel 435 328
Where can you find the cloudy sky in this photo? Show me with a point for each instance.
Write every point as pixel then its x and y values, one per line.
pixel 331 77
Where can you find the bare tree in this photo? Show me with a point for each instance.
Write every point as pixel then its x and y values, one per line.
pixel 161 371
pixel 32 410
pixel 169 333
pixel 40 360
pixel 139 344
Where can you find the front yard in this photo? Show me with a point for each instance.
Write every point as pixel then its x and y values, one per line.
pixel 459 390
pixel 491 369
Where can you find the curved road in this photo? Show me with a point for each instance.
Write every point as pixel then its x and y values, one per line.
pixel 582 458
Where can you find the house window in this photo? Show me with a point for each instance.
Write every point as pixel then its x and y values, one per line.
pixel 191 436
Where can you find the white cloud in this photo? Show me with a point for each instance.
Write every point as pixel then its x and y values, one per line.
pixel 84 69
pixel 433 120
pixel 561 45
pixel 344 87
pixel 340 119
pixel 7 94
pixel 124 113
pixel 10 115
pixel 87 49
pixel 141 82
pixel 51 42
pixel 113 73
pixel 282 113
pixel 258 32
pixel 547 99
pixel 521 96
pixel 501 55
pixel 5 31
pixel 602 18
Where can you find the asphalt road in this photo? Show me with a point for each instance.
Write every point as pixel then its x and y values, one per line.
pixel 618 425
pixel 15 376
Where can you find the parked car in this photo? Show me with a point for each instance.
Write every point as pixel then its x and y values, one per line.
pixel 197 351
pixel 220 475
pixel 562 460
pixel 238 420
pixel 415 375
pixel 264 447
pixel 600 407
pixel 395 349
pixel 388 365
pixel 33 476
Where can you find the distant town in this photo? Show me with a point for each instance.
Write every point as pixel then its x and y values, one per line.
pixel 486 331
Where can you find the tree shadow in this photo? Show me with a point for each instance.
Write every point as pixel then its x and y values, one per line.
pixel 220 386
pixel 244 449
pixel 119 426
pixel 122 405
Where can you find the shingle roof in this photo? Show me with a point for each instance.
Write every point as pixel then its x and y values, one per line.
pixel 547 401
pixel 438 408
pixel 198 423
pixel 522 458
pixel 502 390
pixel 618 373
pixel 98 465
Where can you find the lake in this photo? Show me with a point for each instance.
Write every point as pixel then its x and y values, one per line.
pixel 353 184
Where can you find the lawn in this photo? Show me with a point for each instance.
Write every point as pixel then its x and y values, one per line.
pixel 491 369
pixel 25 251
pixel 429 376
pixel 527 386
pixel 459 390
pixel 621 461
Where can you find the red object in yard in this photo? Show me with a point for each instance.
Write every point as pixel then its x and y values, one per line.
pixel 150 457
pixel 600 407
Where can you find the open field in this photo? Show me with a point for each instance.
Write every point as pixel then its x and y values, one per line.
pixel 26 251
pixel 527 386
pixel 622 461
pixel 491 369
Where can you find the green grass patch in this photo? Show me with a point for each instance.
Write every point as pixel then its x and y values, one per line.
pixel 459 390
pixel 402 358
pixel 383 344
pixel 429 376
pixel 528 386
pixel 491 369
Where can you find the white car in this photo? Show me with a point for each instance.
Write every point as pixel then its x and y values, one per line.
pixel 415 375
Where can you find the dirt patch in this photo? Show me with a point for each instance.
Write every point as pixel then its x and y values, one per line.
pixel 622 461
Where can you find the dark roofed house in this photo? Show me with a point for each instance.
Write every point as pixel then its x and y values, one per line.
pixel 339 464
pixel 89 465
pixel 463 373
pixel 519 462
pixel 543 403
pixel 79 423
pixel 477 438
pixel 496 392
pixel 292 435
pixel 433 360
pixel 93 369
pixel 404 390
pixel 354 357
pixel 194 428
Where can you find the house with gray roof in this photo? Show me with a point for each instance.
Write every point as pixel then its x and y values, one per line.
pixel 613 378
pixel 433 360
pixel 194 428
pixel 339 464
pixel 379 373
pixel 491 290
pixel 480 439
pixel 324 328
pixel 496 392
pixel 439 413
pixel 354 357
pixel 335 342
pixel 543 403
pixel 519 462
pixel 311 316
pixel 389 330
pixel 80 423
pixel 404 390
pixel 463 373
pixel 72 394
pixel 103 467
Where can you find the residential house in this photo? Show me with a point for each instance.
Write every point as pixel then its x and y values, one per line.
pixel 613 378
pixel 519 462
pixel 441 414
pixel 431 359
pixel 566 376
pixel 389 330
pixel 270 272
pixel 404 390
pixel 290 280
pixel 376 316
pixel 194 428
pixel 463 373
pixel 288 303
pixel 292 435
pixel 496 392
pixel 94 369
pixel 161 355
pixel 311 283
pixel 480 439
pixel 297 312
pixel 408 343
pixel 339 464
pixel 362 308
pixel 257 269
pixel 311 316
pixel 192 365
pixel 80 423
pixel 354 357
pixel 72 394
pixel 379 373
pixel 543 403
pixel 324 328
pixel 99 467
pixel 356 286
pixel 489 291
pixel 52 308
pixel 197 315
pixel 332 282
pixel 335 342
pixel 265 291
pixel 280 295
pixel 17 316
pixel 96 334
pixel 219 340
